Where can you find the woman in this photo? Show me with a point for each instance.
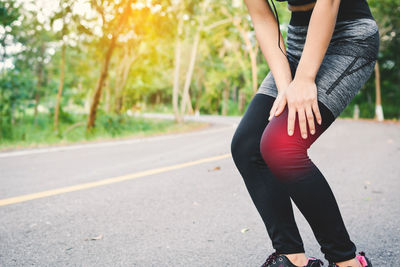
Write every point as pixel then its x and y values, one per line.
pixel 332 47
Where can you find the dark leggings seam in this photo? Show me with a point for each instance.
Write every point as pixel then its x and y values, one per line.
pixel 360 67
pixel 344 73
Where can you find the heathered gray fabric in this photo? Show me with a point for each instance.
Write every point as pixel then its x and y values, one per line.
pixel 348 63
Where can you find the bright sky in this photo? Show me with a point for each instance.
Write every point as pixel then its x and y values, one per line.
pixel 46 8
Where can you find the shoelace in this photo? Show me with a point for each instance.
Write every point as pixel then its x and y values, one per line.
pixel 271 258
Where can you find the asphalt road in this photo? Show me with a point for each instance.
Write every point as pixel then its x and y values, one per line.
pixel 151 202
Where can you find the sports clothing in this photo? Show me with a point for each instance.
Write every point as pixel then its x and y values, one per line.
pixel 298 2
pixel 348 9
pixel 274 174
pixel 275 166
pixel 348 63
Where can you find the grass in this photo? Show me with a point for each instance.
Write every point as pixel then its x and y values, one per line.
pixel 28 132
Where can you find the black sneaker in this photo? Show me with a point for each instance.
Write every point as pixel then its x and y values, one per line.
pixel 275 260
pixel 365 262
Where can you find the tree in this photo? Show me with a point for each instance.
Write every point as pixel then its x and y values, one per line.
pixel 111 29
pixel 64 14
pixel 386 15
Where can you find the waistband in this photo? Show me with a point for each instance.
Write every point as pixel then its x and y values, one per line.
pixel 348 10
pixel 302 18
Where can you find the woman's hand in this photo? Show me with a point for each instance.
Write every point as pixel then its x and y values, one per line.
pixel 301 97
pixel 279 105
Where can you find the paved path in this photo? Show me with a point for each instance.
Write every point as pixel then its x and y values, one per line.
pixel 178 200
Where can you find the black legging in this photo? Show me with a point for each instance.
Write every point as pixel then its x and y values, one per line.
pixel 275 167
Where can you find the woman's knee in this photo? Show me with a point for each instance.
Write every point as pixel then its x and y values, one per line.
pixel 285 155
pixel 239 144
pixel 245 147
pixel 274 150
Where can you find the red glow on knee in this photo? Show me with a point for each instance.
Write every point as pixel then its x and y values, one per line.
pixel 285 155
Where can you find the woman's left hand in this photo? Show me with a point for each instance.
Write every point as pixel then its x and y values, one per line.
pixel 301 96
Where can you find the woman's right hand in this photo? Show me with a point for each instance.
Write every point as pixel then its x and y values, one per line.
pixel 280 101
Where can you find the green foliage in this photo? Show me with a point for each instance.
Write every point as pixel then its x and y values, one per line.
pixel 387 16
pixel 15 90
pixel 31 131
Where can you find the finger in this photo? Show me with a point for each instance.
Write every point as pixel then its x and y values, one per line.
pixel 291 119
pixel 272 111
pixel 281 107
pixel 310 119
pixel 316 112
pixel 302 122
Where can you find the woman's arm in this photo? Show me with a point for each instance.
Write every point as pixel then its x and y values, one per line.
pixel 319 34
pixel 302 92
pixel 266 29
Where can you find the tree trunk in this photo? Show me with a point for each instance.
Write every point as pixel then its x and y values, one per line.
pixel 39 84
pixel 122 77
pixel 157 101
pixel 189 105
pixel 242 100
pixel 104 70
pixel 37 100
pixel 225 99
pixel 99 86
pixel 189 73
pixel 175 89
pixel 234 94
pixel 60 87
pixel 107 96
pixel 378 104
pixel 200 78
pixel 62 71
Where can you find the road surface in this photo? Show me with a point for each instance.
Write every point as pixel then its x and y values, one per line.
pixel 178 200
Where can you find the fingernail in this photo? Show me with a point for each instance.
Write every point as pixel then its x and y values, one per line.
pixel 312 131
pixel 290 132
pixel 319 122
pixel 304 136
